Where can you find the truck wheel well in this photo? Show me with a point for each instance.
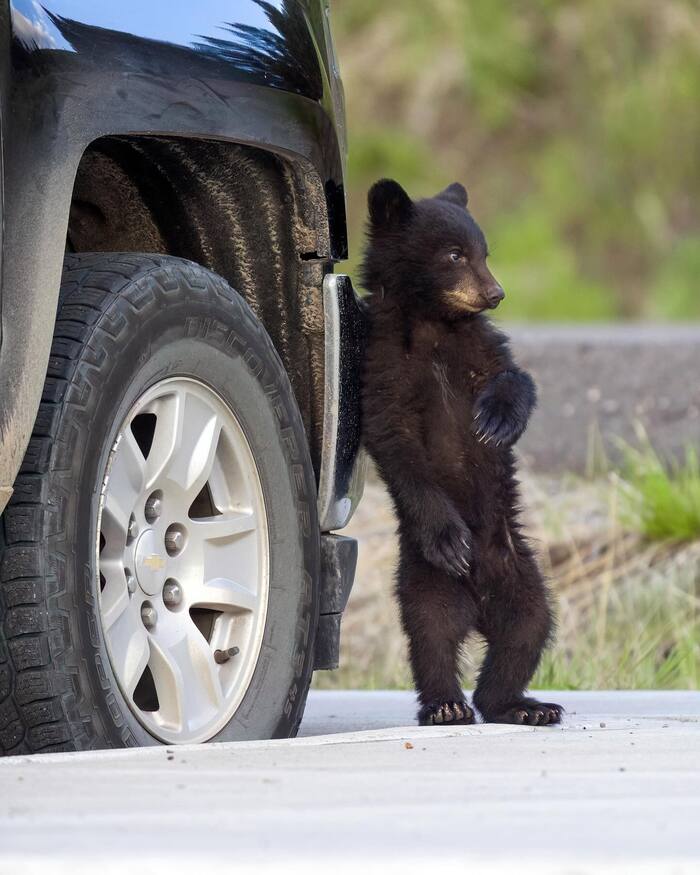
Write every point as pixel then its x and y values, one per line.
pixel 258 220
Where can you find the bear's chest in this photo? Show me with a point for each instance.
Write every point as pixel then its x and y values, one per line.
pixel 452 375
pixel 444 394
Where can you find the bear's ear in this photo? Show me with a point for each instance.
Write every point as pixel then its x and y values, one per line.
pixel 455 194
pixel 388 204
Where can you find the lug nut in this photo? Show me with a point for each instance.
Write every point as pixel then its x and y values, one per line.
pixel 174 541
pixel 148 616
pixel 130 583
pixel 133 529
pixel 154 508
pixel 172 593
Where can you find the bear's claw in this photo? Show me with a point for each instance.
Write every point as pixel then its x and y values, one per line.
pixel 451 550
pixel 497 424
pixel 446 714
pixel 502 409
pixel 527 712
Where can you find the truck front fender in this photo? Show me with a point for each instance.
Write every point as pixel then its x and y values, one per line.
pixel 251 72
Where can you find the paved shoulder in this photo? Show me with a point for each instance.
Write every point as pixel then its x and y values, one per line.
pixel 616 789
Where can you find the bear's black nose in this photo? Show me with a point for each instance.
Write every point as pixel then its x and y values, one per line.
pixel 495 295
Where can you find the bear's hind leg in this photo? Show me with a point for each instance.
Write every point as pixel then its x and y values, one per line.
pixel 437 614
pixel 517 624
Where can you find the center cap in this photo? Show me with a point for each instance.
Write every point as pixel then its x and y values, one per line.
pixel 151 563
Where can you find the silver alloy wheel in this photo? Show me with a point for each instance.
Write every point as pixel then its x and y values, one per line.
pixel 182 552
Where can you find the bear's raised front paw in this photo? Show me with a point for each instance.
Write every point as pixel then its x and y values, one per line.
pixel 496 423
pixel 503 407
pixel 446 714
pixel 450 549
pixel 526 712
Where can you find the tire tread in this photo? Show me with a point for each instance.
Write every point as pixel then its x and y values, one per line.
pixel 42 707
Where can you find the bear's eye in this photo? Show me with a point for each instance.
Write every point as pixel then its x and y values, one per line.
pixel 455 254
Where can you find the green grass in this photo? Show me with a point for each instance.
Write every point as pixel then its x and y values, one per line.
pixel 641 635
pixel 380 677
pixel 660 500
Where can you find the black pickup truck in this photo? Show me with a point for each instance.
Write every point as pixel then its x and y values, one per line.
pixel 178 370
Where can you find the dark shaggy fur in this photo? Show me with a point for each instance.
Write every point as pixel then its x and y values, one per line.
pixel 443 404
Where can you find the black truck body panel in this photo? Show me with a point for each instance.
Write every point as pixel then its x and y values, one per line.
pixel 240 71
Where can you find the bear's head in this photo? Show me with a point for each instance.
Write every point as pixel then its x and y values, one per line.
pixel 429 253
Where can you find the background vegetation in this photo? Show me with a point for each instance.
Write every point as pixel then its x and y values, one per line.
pixel 573 123
pixel 622 556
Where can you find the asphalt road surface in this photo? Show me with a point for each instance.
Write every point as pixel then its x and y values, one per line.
pixel 616 789
pixel 597 384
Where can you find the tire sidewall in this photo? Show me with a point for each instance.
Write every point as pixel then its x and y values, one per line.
pixel 216 340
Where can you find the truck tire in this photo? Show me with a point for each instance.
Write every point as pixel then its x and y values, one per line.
pixel 159 558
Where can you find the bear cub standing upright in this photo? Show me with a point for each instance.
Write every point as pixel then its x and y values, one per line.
pixel 443 403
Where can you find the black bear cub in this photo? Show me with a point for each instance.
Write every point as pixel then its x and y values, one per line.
pixel 443 404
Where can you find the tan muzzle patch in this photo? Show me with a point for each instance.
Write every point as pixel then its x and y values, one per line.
pixel 465 297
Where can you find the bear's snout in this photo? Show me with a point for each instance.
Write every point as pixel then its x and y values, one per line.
pixel 494 295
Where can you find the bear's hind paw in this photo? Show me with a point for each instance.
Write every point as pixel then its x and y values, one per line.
pixel 446 714
pixel 527 712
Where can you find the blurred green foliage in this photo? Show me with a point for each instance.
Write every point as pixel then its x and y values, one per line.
pixel 661 499
pixel 573 123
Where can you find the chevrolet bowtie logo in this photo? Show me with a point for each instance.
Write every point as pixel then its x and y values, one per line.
pixel 154 562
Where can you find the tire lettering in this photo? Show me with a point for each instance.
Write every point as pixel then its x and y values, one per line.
pixel 298 481
pixel 304 519
pixel 290 441
pixel 254 363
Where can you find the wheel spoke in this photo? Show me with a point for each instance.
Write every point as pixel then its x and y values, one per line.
pixel 126 482
pixel 226 526
pixel 112 569
pixel 184 442
pixel 167 435
pixel 129 649
pixel 222 594
pixel 186 678
pixel 114 598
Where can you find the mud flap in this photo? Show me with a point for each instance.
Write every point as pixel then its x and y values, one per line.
pixel 338 561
